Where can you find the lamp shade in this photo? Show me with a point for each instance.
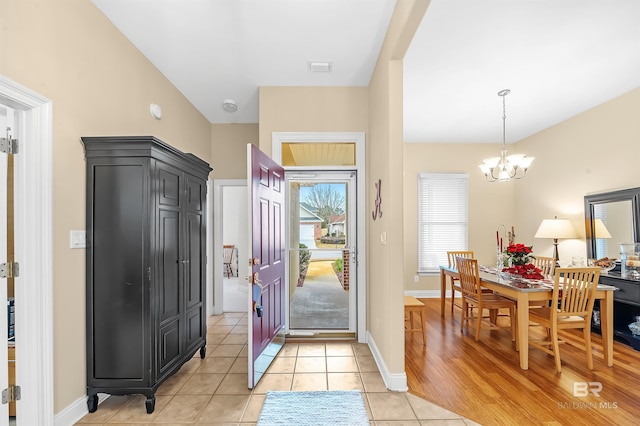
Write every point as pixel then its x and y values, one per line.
pixel 600 230
pixel 556 228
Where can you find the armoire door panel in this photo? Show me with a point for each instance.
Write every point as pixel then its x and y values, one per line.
pixel 196 194
pixel 194 327
pixel 169 344
pixel 170 266
pixel 169 185
pixel 117 295
pixel 195 255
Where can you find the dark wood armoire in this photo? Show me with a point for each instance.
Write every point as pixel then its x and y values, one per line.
pixel 145 265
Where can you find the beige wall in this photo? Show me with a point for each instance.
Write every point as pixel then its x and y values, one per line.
pixel 100 85
pixel 229 149
pixel 311 109
pixel 385 290
pixel 593 152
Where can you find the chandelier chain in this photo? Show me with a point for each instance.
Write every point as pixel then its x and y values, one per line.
pixel 504 121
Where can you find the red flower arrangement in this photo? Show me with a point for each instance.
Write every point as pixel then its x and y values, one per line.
pixel 519 256
pixel 528 271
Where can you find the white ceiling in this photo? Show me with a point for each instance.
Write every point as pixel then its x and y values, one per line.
pixel 559 58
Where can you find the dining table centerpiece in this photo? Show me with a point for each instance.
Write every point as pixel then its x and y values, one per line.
pixel 518 259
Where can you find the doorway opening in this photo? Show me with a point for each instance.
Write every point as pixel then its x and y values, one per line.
pixel 321 245
pixel 230 289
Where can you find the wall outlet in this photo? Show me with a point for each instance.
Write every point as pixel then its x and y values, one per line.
pixel 416 278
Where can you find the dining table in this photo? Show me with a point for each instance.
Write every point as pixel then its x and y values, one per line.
pixel 524 291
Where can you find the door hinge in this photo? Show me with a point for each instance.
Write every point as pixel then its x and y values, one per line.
pixel 12 393
pixel 9 270
pixel 9 145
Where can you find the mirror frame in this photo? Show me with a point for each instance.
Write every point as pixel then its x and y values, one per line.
pixel 632 194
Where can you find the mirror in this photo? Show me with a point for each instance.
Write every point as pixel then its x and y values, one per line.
pixel 611 218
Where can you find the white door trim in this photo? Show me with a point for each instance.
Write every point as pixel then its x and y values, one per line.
pixel 6 120
pixel 278 138
pixel 34 252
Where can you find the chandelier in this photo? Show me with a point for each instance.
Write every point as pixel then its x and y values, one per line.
pixel 505 168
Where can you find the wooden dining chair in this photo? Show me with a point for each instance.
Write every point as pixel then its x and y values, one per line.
pixel 571 307
pixel 451 257
pixel 546 264
pixel 227 256
pixel 472 295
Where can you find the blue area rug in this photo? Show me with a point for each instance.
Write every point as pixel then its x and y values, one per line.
pixel 314 408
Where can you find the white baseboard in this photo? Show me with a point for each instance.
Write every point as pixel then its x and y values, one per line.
pixel 396 382
pixel 75 411
pixel 423 294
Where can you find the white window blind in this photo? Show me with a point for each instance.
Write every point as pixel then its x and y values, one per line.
pixel 442 217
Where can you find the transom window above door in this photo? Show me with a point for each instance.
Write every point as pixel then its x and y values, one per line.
pixel 318 154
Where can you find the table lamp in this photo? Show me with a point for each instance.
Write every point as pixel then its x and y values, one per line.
pixel 556 228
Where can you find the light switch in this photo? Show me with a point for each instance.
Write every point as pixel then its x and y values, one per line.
pixel 383 238
pixel 78 239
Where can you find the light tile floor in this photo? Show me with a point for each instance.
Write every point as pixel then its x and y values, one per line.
pixel 213 391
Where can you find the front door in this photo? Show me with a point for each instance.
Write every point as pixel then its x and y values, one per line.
pixel 267 269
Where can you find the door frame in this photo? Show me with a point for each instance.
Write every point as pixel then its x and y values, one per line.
pixel 34 251
pixel 4 283
pixel 277 139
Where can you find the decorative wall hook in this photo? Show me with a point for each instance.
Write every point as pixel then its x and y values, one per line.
pixel 377 212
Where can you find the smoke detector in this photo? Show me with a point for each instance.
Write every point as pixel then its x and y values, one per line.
pixel 156 111
pixel 229 105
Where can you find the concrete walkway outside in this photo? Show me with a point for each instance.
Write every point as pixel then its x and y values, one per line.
pixel 320 303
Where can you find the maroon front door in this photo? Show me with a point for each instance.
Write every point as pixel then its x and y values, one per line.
pixel 266 230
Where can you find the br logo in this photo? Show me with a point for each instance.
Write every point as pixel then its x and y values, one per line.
pixel 582 389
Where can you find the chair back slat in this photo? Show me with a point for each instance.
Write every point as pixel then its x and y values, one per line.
pixel 574 290
pixel 469 276
pixel 451 256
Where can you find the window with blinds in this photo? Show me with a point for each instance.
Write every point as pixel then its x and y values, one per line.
pixel 442 218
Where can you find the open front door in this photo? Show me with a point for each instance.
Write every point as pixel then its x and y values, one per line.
pixel 266 232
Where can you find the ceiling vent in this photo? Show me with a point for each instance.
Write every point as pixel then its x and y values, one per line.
pixel 318 66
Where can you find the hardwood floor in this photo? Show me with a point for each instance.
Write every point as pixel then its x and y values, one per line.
pixel 483 380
